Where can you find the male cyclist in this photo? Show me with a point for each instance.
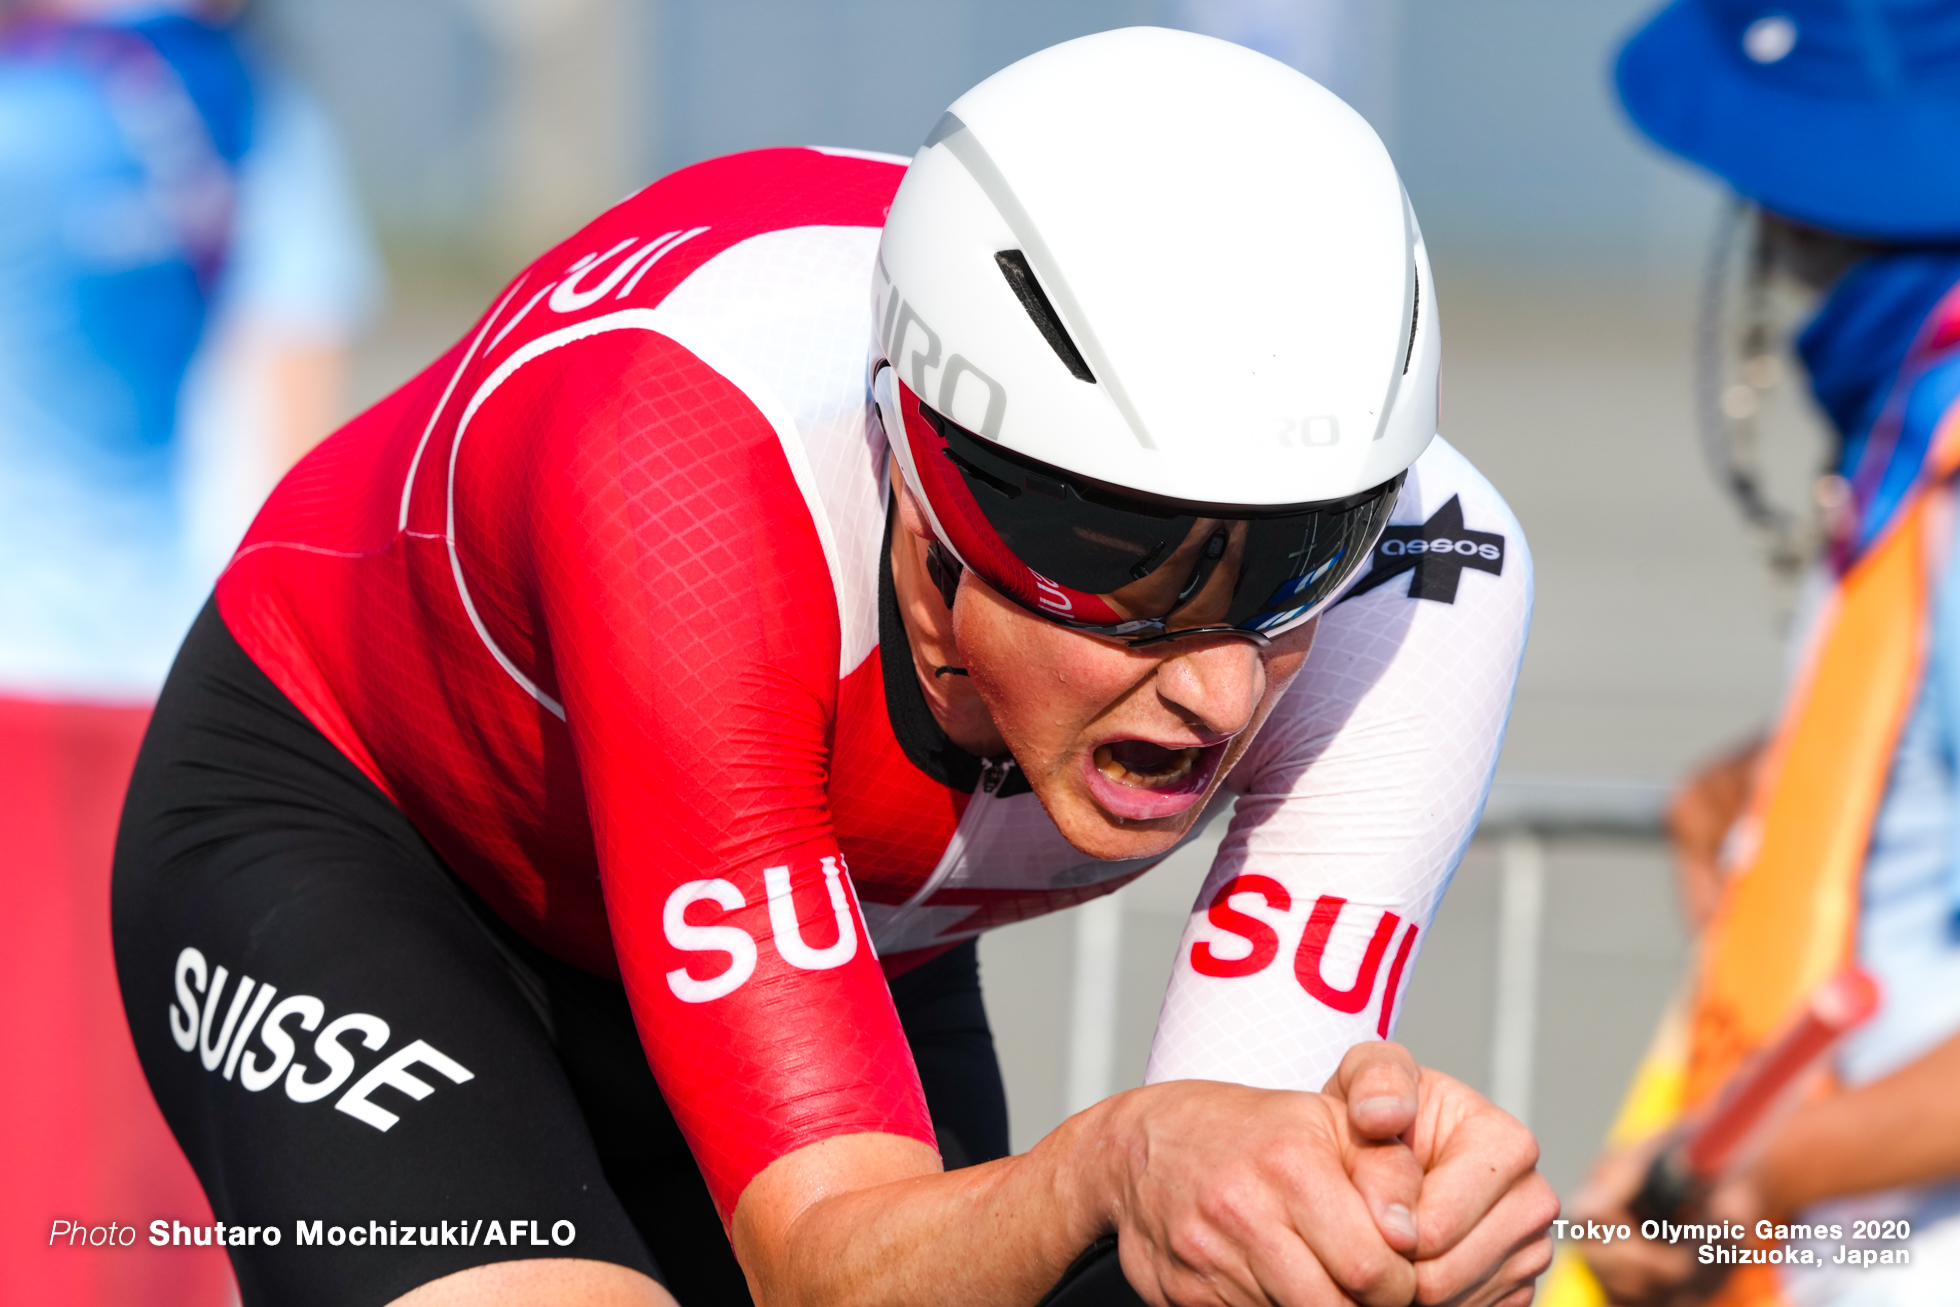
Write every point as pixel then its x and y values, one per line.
pixel 807 566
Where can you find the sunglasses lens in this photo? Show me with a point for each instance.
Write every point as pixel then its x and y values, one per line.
pixel 1161 564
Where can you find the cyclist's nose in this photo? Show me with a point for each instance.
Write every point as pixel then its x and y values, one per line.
pixel 1215 687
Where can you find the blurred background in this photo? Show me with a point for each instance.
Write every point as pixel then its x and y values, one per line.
pixel 477 132
pixel 1567 255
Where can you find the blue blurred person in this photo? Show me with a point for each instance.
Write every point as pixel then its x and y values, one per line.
pixel 181 267
pixel 1840 842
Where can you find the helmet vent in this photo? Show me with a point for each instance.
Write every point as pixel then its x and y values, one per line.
pixel 1415 316
pixel 1014 267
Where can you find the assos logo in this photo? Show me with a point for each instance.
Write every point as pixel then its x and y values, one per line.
pixel 785 931
pixel 1436 554
pixel 1261 943
pixel 248 1014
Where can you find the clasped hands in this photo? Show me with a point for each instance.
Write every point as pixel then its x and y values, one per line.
pixel 1395 1184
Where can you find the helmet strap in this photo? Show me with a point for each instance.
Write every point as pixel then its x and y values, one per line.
pixel 944 569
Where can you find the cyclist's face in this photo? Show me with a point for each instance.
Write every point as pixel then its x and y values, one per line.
pixel 1123 746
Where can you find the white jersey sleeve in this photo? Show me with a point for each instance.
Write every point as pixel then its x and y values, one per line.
pixel 1358 798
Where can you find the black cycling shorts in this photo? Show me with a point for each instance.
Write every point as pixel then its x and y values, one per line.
pixel 421 1090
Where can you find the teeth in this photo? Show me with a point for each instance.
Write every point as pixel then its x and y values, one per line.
pixel 1176 765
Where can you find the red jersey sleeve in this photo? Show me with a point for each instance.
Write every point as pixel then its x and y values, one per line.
pixel 672 600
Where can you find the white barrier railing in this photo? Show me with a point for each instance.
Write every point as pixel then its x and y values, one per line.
pixel 1522 813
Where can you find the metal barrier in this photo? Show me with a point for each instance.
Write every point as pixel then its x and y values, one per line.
pixel 1523 812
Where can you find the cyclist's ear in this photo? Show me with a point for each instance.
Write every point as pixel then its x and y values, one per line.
pixel 910 515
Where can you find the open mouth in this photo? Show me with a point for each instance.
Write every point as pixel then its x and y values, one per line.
pixel 1140 780
pixel 1145 765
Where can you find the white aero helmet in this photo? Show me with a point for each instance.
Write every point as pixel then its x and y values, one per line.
pixel 1157 340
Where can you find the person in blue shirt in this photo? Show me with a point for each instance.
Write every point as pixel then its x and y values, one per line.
pixel 161 186
pixel 1836 119
pixel 181 269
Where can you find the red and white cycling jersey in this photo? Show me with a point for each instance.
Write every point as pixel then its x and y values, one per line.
pixel 596 600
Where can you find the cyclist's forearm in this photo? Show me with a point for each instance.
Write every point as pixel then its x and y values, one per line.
pixel 842 1222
